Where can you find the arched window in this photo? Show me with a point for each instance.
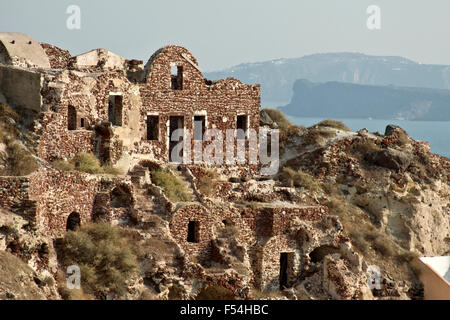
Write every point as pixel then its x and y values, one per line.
pixel 73 221
pixel 71 118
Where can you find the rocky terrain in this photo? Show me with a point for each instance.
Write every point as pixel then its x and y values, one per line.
pixel 388 201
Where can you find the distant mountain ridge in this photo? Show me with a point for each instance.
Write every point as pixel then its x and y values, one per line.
pixel 347 100
pixel 278 76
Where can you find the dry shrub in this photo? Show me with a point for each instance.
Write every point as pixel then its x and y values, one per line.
pixel 6 111
pixel 299 179
pixel 21 161
pixel 365 149
pixel 105 256
pixel 287 129
pixel 333 124
pixel 207 183
pixel 85 162
pixel 317 135
pixel 174 188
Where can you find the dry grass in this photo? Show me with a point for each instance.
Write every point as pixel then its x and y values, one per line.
pixel 17 159
pixel 105 256
pixel 174 188
pixel 207 183
pixel 85 162
pixel 365 149
pixel 287 129
pixel 317 135
pixel 298 179
pixel 333 124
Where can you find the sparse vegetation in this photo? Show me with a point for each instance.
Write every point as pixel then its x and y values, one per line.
pixel 174 188
pixel 317 135
pixel 333 124
pixel 207 183
pixel 299 179
pixel 105 256
pixel 365 149
pixel 17 159
pixel 85 162
pixel 286 127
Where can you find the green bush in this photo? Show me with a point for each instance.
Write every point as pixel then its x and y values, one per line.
pixel 333 124
pixel 105 256
pixel 174 188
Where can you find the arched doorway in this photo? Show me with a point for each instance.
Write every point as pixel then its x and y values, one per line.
pixel 73 221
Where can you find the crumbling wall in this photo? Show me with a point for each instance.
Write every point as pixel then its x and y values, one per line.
pixel 221 102
pixel 58 58
pixel 89 95
pixel 179 222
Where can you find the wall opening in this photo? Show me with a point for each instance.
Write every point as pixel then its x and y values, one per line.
pixel 286 268
pixel 71 118
pixel 73 221
pixel 319 253
pixel 82 123
pixel 241 126
pixel 175 122
pixel 193 231
pixel 115 107
pixel 199 127
pixel 152 127
pixel 120 197
pixel 176 77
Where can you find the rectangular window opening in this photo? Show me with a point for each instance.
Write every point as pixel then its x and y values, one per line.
pixel 82 123
pixel 176 77
pixel 193 231
pixel 115 110
pixel 152 127
pixel 241 126
pixel 286 266
pixel 199 127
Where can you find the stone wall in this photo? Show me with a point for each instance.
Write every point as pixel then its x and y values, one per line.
pixel 58 58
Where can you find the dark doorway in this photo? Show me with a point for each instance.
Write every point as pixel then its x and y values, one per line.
pixel 199 127
pixel 71 118
pixel 176 77
pixel 286 261
pixel 193 231
pixel 115 107
pixel 73 221
pixel 241 125
pixel 152 127
pixel 175 122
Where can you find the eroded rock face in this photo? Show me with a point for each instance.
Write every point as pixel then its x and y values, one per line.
pixel 392 159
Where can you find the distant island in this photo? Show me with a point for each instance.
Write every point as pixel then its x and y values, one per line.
pixel 280 81
pixel 346 100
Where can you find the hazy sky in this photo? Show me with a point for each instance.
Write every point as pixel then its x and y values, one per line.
pixel 228 32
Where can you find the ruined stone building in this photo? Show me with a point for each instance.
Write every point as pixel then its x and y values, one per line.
pixel 125 112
